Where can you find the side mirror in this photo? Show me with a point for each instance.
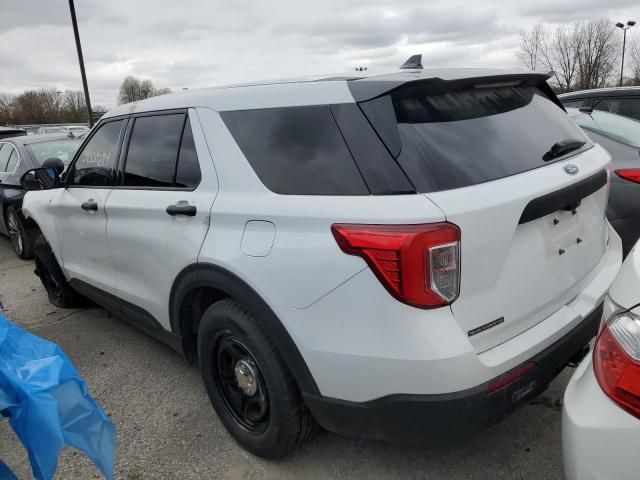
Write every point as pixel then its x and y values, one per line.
pixel 40 179
pixel 54 162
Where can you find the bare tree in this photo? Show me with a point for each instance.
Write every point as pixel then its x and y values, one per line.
pixel 597 53
pixel 531 46
pixel 561 56
pixel 634 53
pixel 582 56
pixel 73 107
pixel 46 105
pixel 133 89
pixel 6 109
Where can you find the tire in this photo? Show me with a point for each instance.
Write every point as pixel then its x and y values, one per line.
pixel 58 289
pixel 229 338
pixel 21 237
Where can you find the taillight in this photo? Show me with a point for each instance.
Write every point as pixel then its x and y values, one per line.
pixel 417 264
pixel 616 361
pixel 631 174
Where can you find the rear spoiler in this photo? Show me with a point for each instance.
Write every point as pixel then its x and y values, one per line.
pixel 373 87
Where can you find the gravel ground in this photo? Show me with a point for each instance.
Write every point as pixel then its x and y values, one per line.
pixel 166 427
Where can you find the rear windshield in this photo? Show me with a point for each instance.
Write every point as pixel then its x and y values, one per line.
pixel 455 139
pixel 616 127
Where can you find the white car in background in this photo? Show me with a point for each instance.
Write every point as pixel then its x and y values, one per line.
pixel 601 419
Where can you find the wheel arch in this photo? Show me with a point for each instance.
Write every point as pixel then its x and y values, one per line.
pixel 200 285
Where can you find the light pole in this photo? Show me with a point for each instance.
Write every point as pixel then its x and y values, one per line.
pixel 72 8
pixel 624 28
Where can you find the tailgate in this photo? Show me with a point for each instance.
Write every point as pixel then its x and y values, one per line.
pixel 527 242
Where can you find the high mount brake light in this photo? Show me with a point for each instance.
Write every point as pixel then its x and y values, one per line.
pixel 418 264
pixel 631 174
pixel 616 361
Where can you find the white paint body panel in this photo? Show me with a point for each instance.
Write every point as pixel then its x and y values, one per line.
pixel 149 247
pixel 515 271
pixel 600 439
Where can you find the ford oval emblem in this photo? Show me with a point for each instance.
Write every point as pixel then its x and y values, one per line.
pixel 571 169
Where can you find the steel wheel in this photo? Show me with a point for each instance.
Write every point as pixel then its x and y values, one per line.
pixel 15 232
pixel 240 383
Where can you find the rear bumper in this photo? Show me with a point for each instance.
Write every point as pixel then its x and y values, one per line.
pixel 599 439
pixel 417 418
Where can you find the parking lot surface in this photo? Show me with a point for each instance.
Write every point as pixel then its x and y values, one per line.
pixel 166 427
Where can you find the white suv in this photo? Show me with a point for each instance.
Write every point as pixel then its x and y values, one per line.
pixel 396 256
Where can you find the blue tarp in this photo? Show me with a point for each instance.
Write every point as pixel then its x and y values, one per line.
pixel 48 404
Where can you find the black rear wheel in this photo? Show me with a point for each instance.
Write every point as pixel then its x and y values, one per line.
pixel 249 384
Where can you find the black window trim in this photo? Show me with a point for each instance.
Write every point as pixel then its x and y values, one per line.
pixel 94 130
pixel 122 158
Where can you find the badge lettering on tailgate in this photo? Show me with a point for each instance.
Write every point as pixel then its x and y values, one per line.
pixel 485 327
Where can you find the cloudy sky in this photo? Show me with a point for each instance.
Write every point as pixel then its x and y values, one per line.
pixel 189 43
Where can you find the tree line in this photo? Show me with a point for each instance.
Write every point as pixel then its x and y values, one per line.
pixel 44 105
pixel 49 105
pixel 582 56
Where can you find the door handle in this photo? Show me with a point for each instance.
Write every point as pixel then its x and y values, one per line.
pixel 182 208
pixel 90 205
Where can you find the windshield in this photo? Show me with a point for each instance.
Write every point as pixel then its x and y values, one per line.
pixel 616 127
pixel 63 149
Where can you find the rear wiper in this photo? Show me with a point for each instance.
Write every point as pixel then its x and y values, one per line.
pixel 562 148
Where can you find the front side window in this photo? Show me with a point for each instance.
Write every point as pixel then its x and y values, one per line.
pixel 97 162
pixel 162 153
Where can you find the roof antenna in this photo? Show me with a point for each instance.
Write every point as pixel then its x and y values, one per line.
pixel 414 62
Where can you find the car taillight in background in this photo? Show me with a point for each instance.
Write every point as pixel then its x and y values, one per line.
pixel 417 264
pixel 631 174
pixel 616 361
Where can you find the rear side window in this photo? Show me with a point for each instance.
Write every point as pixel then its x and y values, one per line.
pixel 159 155
pixel 5 152
pixel 12 162
pixel 296 150
pixel 459 138
pixel 96 164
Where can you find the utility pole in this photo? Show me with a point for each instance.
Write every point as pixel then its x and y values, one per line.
pixel 624 28
pixel 72 8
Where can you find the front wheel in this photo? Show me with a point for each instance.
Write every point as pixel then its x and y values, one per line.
pixel 58 289
pixel 250 386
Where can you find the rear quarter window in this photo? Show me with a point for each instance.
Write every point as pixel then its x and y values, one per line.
pixel 296 150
